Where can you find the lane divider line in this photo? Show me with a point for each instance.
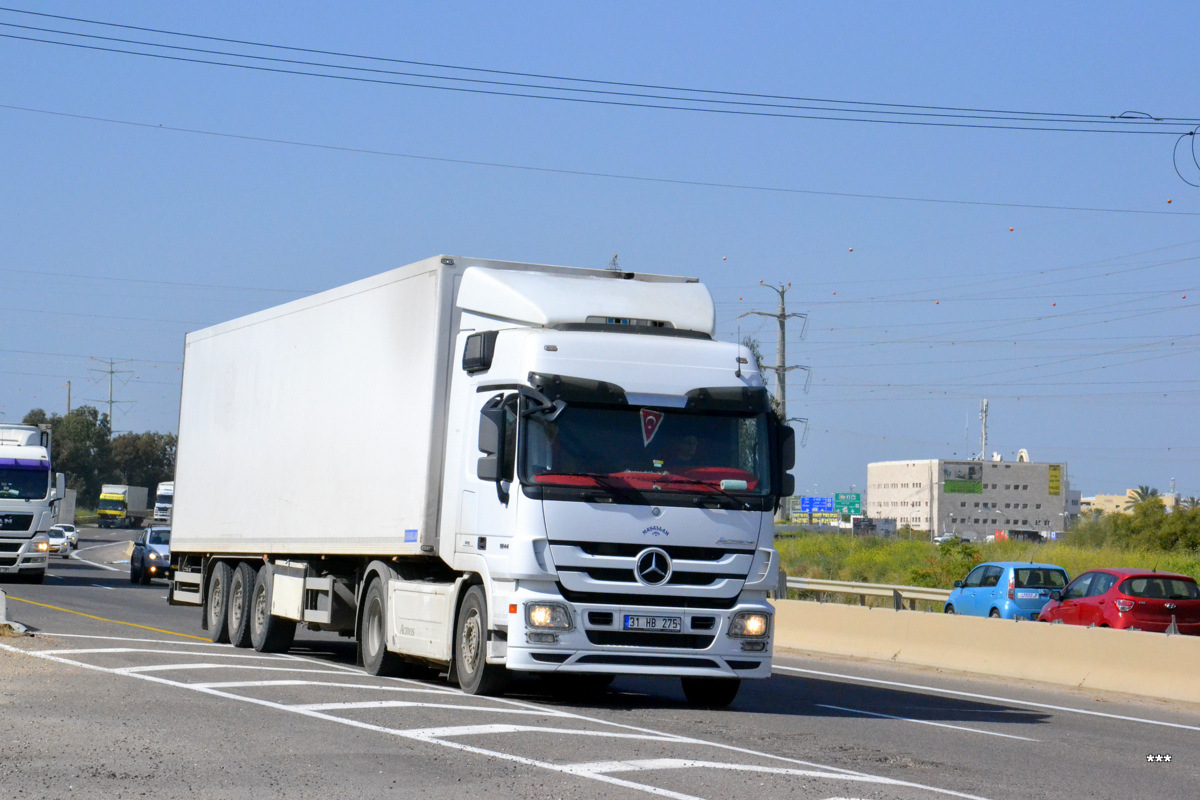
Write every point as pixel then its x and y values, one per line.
pixel 112 621
pixel 991 698
pixel 926 722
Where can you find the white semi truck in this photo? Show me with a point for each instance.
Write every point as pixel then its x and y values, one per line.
pixel 486 467
pixel 164 497
pixel 29 495
pixel 122 506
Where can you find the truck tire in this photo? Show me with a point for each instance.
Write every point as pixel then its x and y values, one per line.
pixel 711 692
pixel 268 633
pixel 216 601
pixel 372 634
pixel 241 594
pixel 475 675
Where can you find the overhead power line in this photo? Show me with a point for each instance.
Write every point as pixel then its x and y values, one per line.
pixel 584 90
pixel 591 174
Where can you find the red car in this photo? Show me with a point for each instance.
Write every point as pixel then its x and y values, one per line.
pixel 1127 598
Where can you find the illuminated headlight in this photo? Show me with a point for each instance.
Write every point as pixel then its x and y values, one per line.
pixel 44 547
pixel 750 625
pixel 548 615
pixel 153 556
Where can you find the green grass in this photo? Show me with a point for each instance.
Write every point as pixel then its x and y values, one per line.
pixel 919 563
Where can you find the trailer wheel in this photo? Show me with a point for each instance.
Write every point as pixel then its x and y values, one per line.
pixel 372 637
pixel 241 593
pixel 268 633
pixel 711 692
pixel 475 675
pixel 216 602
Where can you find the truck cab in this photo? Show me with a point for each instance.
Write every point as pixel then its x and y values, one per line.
pixel 29 494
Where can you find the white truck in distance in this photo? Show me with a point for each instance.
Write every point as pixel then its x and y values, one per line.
pixel 164 496
pixel 28 500
pixel 567 474
pixel 122 506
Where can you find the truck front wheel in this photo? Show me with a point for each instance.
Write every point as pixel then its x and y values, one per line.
pixel 475 675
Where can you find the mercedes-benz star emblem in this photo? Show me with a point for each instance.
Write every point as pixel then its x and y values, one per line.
pixel 653 567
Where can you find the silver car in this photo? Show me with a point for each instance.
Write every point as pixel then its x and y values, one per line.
pixel 60 543
pixel 151 556
pixel 71 533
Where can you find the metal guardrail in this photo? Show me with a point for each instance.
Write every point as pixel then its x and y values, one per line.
pixel 899 594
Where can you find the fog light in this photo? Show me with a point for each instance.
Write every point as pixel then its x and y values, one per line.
pixel 754 647
pixel 153 570
pixel 548 615
pixel 541 638
pixel 749 625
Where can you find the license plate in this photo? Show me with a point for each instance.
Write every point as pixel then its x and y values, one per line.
pixel 649 623
pixel 1028 595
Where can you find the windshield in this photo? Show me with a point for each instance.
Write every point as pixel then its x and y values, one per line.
pixel 23 483
pixel 160 537
pixel 111 505
pixel 643 448
pixel 164 499
pixel 1035 578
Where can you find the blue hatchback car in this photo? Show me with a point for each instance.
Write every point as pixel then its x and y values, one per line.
pixel 1006 589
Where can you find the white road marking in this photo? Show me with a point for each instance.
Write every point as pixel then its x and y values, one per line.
pixel 927 722
pixel 253 684
pixel 109 588
pixel 988 697
pixel 641 765
pixel 362 704
pixel 216 665
pixel 75 556
pixel 423 735
pixel 479 730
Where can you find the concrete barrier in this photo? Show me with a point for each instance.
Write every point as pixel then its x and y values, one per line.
pixel 1136 662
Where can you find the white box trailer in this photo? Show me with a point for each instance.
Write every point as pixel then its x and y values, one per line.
pixel 376 460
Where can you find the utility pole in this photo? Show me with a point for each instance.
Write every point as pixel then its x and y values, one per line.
pixel 68 398
pixel 983 414
pixel 111 371
pixel 781 368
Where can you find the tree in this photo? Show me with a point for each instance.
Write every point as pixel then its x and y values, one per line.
pixel 79 447
pixel 143 459
pixel 1139 495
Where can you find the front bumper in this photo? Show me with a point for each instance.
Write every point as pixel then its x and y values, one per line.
pixel 598 642
pixel 23 556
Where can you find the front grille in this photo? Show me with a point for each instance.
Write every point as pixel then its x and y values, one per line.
pixel 689 641
pixel 701 577
pixel 550 658
pixel 7 561
pixel 16 522
pixel 10 547
pixel 664 601
pixel 744 664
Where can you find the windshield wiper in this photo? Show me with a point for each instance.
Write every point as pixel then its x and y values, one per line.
pixel 741 503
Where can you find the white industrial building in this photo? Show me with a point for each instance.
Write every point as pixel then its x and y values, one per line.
pixel 973 499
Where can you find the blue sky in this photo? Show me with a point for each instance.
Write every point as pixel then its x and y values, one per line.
pixel 1052 272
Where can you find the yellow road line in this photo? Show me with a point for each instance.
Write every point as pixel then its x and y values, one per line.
pixel 113 621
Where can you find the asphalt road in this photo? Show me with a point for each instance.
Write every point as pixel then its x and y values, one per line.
pixel 118 694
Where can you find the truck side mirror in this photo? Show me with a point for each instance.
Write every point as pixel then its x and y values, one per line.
pixel 491 442
pixel 788 485
pixel 787 448
pixel 60 486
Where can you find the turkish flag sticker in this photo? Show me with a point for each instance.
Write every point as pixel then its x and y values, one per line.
pixel 650 422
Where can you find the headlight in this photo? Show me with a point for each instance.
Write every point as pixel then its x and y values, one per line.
pixel 44 546
pixel 750 625
pixel 548 615
pixel 153 555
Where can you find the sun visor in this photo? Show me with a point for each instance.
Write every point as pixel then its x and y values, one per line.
pixel 547 299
